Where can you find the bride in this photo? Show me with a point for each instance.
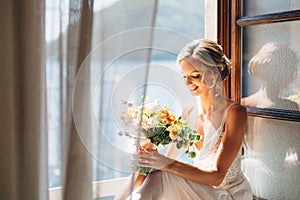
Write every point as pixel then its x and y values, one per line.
pixel 216 170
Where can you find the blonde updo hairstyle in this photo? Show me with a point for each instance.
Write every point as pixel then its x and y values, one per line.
pixel 208 53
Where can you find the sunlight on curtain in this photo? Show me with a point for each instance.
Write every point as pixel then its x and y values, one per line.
pixel 118 68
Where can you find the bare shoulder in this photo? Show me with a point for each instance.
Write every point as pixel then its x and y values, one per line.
pixel 237 109
pixel 236 113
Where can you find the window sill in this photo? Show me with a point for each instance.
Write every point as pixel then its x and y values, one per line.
pixel 100 189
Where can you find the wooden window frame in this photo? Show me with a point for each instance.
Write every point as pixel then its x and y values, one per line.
pixel 229 27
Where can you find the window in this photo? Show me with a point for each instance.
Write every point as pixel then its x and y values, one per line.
pixel 56 24
pixel 265 53
pixel 127 64
pixel 175 25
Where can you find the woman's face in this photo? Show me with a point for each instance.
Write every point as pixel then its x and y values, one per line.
pixel 193 78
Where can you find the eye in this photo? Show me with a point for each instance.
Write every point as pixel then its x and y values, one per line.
pixel 195 75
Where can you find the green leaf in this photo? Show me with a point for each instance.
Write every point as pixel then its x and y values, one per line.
pixel 126 134
pixel 191 137
pixel 192 154
pixel 144 170
pixel 120 133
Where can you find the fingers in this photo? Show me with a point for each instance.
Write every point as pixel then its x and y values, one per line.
pixel 145 159
pixel 143 150
pixel 144 163
pixel 149 146
pixel 145 156
pixel 141 160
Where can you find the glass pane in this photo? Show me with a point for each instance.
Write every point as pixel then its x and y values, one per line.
pixel 56 22
pixel 121 39
pixel 271 158
pixel 270 66
pixel 259 7
pixel 121 36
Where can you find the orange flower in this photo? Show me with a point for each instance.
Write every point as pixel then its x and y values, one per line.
pixel 171 118
pixel 166 114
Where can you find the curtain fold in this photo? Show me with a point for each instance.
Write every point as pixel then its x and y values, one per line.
pixel 78 171
pixel 23 143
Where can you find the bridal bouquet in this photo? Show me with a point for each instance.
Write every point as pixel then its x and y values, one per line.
pixel 158 125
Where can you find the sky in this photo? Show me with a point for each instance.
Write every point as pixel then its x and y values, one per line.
pixel 53 14
pixel 100 4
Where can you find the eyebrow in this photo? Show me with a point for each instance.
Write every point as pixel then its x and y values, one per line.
pixel 193 72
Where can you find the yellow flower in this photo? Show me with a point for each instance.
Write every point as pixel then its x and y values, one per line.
pixel 179 123
pixel 173 129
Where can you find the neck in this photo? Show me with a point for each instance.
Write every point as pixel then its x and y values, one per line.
pixel 206 105
pixel 210 104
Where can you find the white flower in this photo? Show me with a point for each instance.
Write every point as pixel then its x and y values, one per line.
pixel 147 123
pixel 154 107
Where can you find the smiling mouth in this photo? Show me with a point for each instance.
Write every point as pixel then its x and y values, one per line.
pixel 193 89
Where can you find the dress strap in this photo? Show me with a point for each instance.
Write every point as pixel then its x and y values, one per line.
pixel 225 114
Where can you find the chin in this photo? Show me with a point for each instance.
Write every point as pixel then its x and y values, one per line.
pixel 195 93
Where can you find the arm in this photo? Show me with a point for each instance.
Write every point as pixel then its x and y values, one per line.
pixel 230 145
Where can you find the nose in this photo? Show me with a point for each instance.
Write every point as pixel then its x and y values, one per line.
pixel 187 80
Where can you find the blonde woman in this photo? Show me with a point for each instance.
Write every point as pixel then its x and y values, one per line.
pixel 216 170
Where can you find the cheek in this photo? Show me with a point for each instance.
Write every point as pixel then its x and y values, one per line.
pixel 197 81
pixel 200 82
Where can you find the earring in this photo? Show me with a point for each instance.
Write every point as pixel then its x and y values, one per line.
pixel 213 81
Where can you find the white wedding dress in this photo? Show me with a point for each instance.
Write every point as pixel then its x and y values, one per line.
pixel 166 186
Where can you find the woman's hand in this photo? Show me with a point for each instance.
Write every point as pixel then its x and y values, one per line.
pixel 148 146
pixel 153 159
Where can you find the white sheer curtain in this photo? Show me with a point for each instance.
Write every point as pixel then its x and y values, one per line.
pixel 78 170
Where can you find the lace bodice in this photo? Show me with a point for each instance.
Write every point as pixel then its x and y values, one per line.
pixel 234 175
